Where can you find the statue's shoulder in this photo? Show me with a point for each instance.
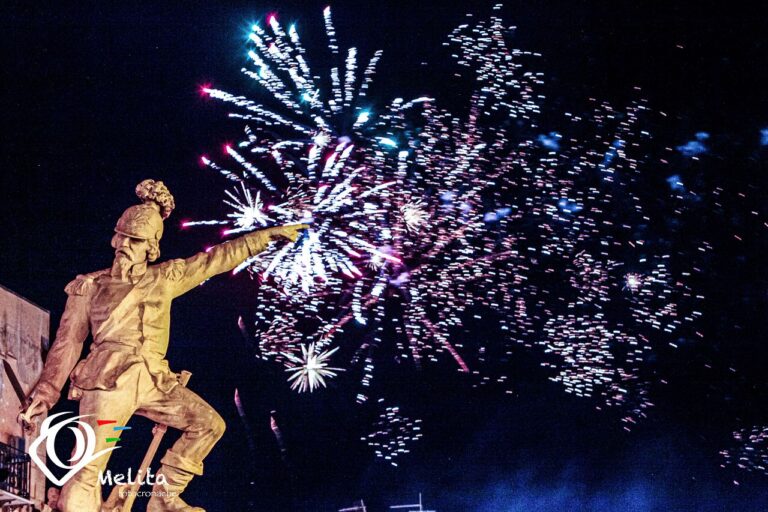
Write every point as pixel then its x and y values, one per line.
pixel 173 270
pixel 83 284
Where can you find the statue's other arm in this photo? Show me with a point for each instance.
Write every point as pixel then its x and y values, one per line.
pixel 68 345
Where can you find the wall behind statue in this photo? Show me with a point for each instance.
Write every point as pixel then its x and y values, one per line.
pixel 24 337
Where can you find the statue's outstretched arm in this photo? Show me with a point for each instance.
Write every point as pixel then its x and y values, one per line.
pixel 226 256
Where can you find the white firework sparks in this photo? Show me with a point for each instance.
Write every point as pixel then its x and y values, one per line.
pixel 376 262
pixel 311 369
pixel 303 152
pixel 633 281
pixel 248 212
pixel 414 215
pixel 749 451
pixel 393 434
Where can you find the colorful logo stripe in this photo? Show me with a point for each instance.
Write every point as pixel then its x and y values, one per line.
pixel 117 428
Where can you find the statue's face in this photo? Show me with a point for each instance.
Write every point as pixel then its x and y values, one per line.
pixel 130 250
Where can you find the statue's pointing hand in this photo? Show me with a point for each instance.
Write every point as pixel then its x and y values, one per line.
pixel 290 232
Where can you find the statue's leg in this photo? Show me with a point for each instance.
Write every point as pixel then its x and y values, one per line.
pixel 201 428
pixel 83 492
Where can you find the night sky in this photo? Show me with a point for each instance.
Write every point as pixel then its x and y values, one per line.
pixel 98 96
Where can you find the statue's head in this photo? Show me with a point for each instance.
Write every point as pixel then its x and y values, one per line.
pixel 140 227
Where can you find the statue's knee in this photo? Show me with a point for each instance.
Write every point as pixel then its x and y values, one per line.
pixel 207 422
pixel 218 425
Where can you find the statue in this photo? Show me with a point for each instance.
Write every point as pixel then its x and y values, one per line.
pixel 127 308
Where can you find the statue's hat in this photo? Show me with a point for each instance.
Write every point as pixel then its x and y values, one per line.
pixel 145 221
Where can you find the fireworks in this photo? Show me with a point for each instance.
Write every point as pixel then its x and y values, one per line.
pixel 249 212
pixel 310 371
pixel 450 259
pixel 750 452
pixel 393 434
pixel 414 215
pixel 597 360
pixel 426 222
pixel 301 157
pixel 633 281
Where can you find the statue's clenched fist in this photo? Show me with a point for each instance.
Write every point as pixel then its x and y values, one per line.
pixel 27 416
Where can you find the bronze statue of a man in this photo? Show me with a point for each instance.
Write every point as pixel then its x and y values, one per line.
pixel 126 308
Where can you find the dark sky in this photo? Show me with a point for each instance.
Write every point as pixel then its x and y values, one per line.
pixel 97 96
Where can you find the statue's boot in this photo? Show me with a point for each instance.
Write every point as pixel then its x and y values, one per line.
pixel 166 497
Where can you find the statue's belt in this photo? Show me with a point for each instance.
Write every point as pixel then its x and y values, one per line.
pixel 109 359
pixel 129 348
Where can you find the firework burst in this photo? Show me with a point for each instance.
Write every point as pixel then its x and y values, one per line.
pixel 393 434
pixel 311 369
pixel 302 156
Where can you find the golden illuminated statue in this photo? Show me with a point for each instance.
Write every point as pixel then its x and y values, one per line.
pixel 126 308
